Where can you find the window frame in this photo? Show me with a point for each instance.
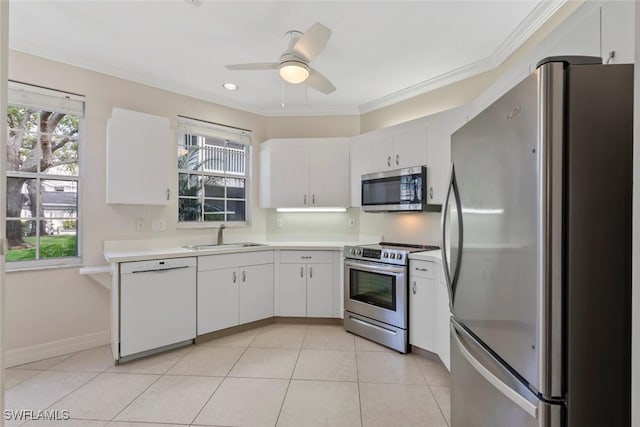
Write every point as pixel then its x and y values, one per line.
pixel 188 125
pixel 25 90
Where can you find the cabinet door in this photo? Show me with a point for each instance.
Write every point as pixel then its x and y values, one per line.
pixel 293 290
pixel 319 290
pixel 439 152
pixel 218 306
pixel 256 292
pixel 442 321
pixel 329 174
pixel 422 313
pixel 139 156
pixel 289 176
pixel 410 148
pixel 358 161
pixel 379 154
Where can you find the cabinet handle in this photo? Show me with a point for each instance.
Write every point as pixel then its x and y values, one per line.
pixel 422 269
pixel 168 193
pixel 301 271
pixel 234 277
pixel 413 288
pixel 397 159
pixel 313 199
pixel 389 161
pixel 244 275
pixel 305 257
pixel 431 192
pixel 305 199
pixel 311 272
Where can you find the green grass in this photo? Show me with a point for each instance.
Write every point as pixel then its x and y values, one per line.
pixel 50 247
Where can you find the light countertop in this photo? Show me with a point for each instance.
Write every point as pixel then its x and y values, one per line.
pixel 427 256
pixel 114 256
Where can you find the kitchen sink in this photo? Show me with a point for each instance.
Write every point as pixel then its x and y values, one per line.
pixel 223 246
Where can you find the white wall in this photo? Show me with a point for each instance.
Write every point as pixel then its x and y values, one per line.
pixel 56 308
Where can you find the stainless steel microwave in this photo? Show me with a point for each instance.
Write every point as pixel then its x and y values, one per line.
pixel 399 190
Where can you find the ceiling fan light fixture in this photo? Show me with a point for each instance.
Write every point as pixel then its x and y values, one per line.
pixel 294 71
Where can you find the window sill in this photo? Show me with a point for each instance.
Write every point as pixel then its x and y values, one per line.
pixel 211 225
pixel 20 266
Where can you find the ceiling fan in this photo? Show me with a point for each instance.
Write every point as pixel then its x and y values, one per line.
pixel 293 64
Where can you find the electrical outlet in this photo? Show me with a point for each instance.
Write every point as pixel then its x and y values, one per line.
pixel 157 225
pixel 139 224
pixel 279 223
pixel 352 222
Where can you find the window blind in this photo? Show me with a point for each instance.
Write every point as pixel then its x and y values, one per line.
pixel 45 99
pixel 198 127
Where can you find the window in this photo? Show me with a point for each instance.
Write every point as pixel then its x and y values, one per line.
pixel 42 176
pixel 213 172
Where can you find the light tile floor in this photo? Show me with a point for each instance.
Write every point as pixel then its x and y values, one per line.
pixel 275 375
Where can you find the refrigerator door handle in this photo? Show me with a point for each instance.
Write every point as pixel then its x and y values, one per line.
pixel 451 281
pixel 507 391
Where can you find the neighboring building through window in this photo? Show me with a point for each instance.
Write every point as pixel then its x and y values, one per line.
pixel 213 172
pixel 42 175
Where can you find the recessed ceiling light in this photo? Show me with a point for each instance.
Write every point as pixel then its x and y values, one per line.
pixel 230 86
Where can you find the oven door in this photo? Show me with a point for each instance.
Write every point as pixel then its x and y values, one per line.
pixel 377 291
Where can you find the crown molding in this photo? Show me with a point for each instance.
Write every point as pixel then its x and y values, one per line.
pixel 536 18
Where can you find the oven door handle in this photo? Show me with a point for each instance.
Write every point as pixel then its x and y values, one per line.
pixel 374 267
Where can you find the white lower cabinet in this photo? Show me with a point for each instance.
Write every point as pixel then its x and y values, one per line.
pixel 306 284
pixel 218 300
pixel 234 289
pixel 256 292
pixel 429 309
pixel 443 314
pixel 422 305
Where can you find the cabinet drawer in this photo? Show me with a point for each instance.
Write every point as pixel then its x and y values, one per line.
pixel 214 262
pixel 421 268
pixel 309 257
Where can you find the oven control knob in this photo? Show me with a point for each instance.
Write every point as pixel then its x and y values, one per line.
pixel 399 256
pixel 392 256
pixel 358 252
pixel 385 255
pixel 353 251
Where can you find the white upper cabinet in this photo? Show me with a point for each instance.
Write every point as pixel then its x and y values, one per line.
pixel 405 149
pixel 410 149
pixel 138 158
pixel 329 174
pixel 358 167
pixel 303 173
pixel 441 126
pixel 618 31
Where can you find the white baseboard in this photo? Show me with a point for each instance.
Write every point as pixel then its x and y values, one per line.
pixel 49 349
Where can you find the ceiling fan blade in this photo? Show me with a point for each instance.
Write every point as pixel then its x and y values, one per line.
pixel 255 66
pixel 319 82
pixel 312 42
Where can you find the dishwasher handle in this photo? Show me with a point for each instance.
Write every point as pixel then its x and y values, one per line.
pixel 160 270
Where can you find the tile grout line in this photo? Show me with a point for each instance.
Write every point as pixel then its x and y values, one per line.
pixel 438 403
pixel 223 378
pixel 355 353
pixel 284 398
pixel 149 386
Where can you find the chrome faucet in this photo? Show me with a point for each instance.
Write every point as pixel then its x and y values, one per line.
pixel 220 237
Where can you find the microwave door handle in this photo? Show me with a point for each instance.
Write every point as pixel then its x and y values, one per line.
pixel 374 268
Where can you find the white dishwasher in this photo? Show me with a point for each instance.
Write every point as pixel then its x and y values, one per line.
pixel 157 304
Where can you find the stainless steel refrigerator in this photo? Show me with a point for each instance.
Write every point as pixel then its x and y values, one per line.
pixel 538 259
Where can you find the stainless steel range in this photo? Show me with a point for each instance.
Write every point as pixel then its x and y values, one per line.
pixel 376 289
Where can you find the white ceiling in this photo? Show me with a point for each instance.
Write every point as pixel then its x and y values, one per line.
pixel 380 52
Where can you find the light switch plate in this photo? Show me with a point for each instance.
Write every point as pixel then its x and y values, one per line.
pixel 157 225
